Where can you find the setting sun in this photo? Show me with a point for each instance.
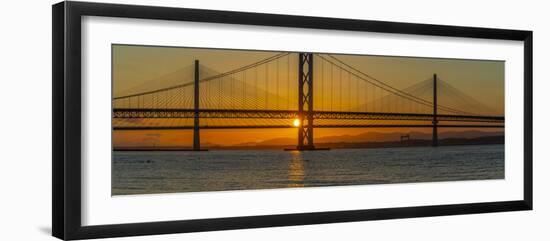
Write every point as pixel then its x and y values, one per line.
pixel 296 122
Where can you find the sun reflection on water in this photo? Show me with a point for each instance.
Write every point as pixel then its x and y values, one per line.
pixel 296 170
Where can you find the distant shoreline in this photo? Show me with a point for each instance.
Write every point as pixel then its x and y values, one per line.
pixel 486 140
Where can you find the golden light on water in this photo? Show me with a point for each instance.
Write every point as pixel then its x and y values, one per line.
pixel 296 122
pixel 296 170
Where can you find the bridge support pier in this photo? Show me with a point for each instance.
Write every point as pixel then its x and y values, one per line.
pixel 434 120
pixel 196 129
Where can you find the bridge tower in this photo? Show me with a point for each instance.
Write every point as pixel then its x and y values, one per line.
pixel 196 133
pixel 434 120
pixel 305 101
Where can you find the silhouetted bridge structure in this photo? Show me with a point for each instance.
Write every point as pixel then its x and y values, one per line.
pixel 278 90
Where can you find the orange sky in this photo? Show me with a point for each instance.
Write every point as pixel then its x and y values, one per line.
pixel 141 68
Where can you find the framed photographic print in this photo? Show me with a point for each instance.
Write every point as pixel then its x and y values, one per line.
pixel 170 120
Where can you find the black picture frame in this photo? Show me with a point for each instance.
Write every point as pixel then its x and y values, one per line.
pixel 66 58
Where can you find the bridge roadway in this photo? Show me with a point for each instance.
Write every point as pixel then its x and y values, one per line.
pixel 488 121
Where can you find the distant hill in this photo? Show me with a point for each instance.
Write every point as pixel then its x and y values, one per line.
pixel 362 140
pixel 271 142
pixel 375 137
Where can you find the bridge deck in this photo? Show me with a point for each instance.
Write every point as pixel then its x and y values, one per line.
pixel 290 126
pixel 293 114
pixel 483 121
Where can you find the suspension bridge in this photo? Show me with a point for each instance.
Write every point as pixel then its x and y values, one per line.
pixel 294 90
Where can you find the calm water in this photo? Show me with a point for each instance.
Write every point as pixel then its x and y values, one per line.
pixel 162 172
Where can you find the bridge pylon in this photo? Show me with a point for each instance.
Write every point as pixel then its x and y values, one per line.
pixel 305 101
pixel 196 128
pixel 434 120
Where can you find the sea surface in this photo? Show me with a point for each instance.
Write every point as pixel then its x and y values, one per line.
pixel 148 172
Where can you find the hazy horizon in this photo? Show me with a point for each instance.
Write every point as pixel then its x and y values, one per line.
pixel 351 138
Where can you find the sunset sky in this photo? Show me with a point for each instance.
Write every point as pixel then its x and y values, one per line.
pixel 141 68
